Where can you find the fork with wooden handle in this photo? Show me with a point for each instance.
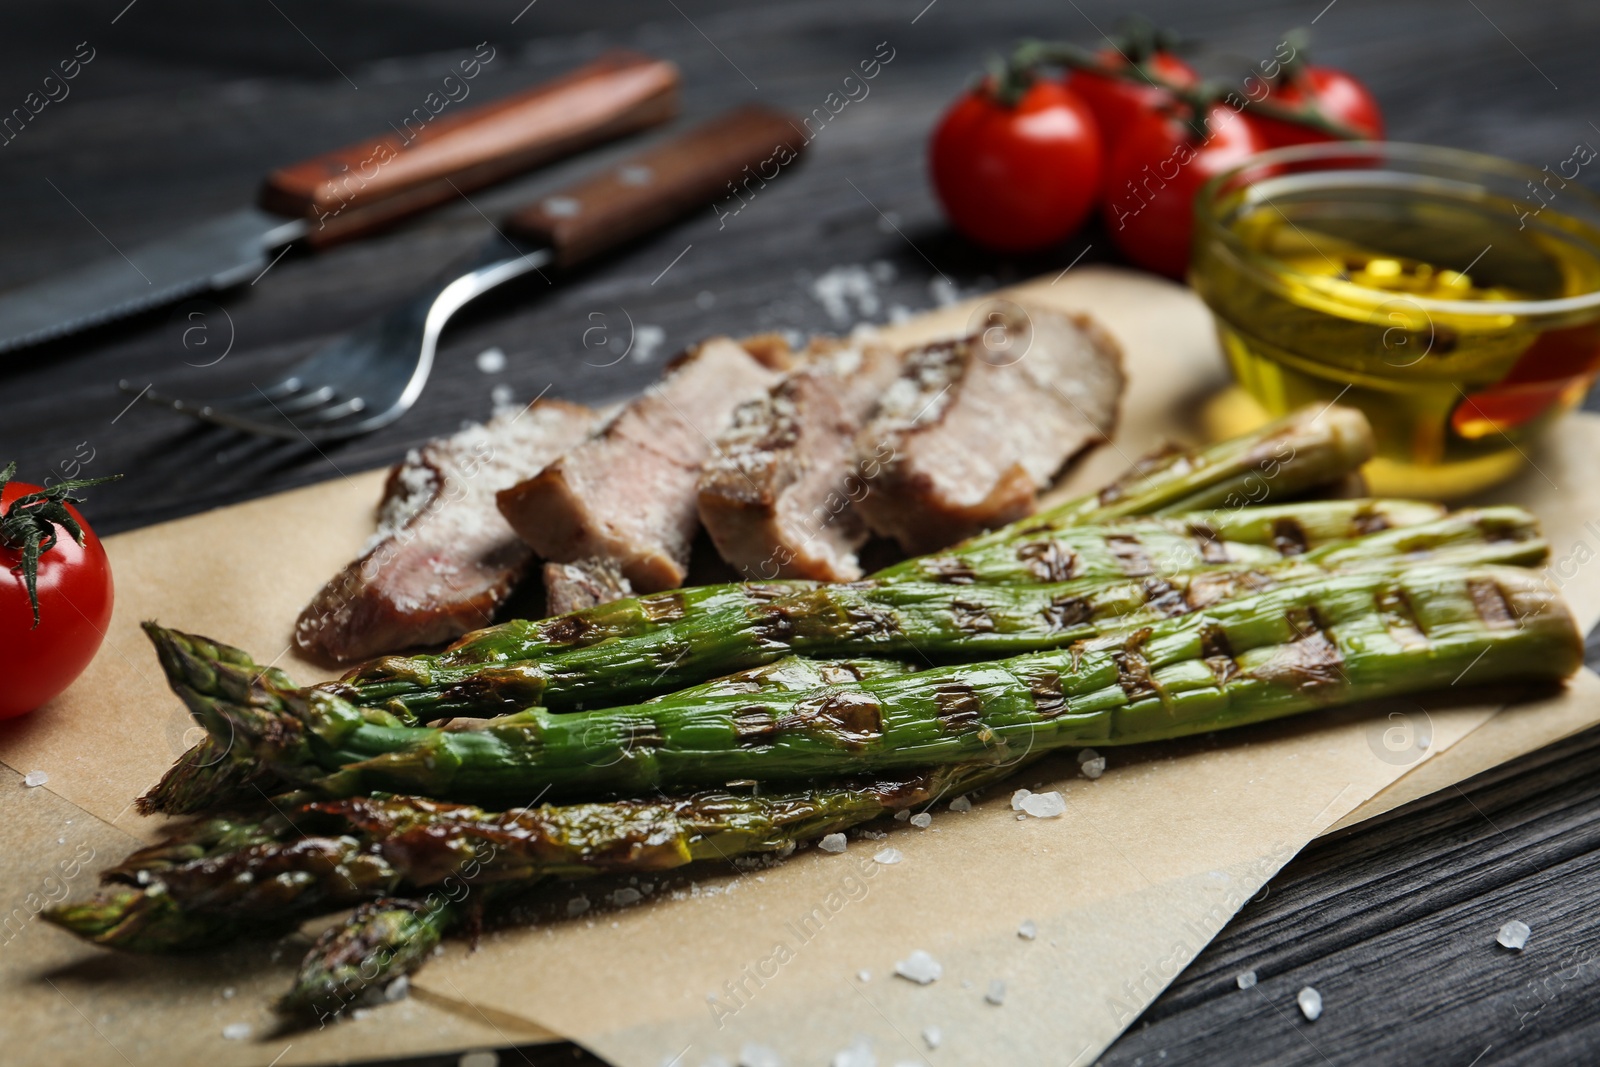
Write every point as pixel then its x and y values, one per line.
pixel 372 375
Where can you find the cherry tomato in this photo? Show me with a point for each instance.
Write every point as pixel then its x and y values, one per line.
pixel 1017 178
pixel 37 663
pixel 1153 176
pixel 1336 94
pixel 1117 103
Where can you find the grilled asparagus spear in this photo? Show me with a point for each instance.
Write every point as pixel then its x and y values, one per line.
pixel 1344 638
pixel 933 616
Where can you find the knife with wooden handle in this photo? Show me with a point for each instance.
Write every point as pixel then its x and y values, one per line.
pixel 426 161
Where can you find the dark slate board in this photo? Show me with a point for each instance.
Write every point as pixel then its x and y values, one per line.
pixel 187 104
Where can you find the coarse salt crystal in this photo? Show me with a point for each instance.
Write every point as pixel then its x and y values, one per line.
pixel 1027 931
pixel 932 1035
pixel 919 967
pixel 1044 805
pixel 481 1057
pixel 1310 1002
pixel 625 896
pixel 864 976
pixel 859 1054
pixel 1018 797
pixel 236 1031
pixel 874 835
pixel 397 989
pixel 889 855
pixel 1093 768
pixel 753 1055
pixel 832 843
pixel 577 906
pixel 35 778
pixel 961 804
pixel 902 815
pixel 922 820
pixel 1246 979
pixel 1514 934
pixel 997 993
pixel 491 360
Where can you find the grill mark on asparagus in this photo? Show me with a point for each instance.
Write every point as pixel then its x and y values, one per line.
pixel 852 719
pixel 1370 521
pixel 971 617
pixel 663 607
pixel 566 629
pixel 1490 600
pixel 1133 670
pixel 774 624
pixel 1400 619
pixel 1065 612
pixel 1130 555
pixel 1161 596
pixel 1048 699
pixel 753 726
pixel 1311 660
pixel 1049 560
pixel 1207 543
pixel 1217 652
pixel 959 708
pixel 951 569
pixel 1289 537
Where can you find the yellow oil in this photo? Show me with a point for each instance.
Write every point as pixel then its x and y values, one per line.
pixel 1411 302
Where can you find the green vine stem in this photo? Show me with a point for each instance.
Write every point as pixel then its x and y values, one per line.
pixel 29 525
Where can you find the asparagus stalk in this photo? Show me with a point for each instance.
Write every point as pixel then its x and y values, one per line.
pixel 933 616
pixel 1345 638
pixel 379 942
pixel 216 879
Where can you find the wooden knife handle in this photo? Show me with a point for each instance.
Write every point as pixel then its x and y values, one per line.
pixel 739 152
pixel 432 158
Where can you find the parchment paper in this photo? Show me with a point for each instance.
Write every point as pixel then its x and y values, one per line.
pixel 1146 865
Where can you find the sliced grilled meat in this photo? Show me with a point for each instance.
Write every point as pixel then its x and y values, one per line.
pixel 627 494
pixel 975 427
pixel 442 559
pixel 575 586
pixel 779 491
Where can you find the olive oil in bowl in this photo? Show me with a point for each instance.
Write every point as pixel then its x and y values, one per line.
pixel 1452 297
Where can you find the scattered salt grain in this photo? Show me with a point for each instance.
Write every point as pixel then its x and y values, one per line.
pixel 1245 979
pixel 922 820
pixel 577 906
pixel 841 287
pixel 1018 797
pixel 482 1057
pixel 398 989
pixel 1044 805
pixel 859 1054
pixel 874 835
pixel 228 992
pixel 35 778
pixel 1091 763
pixel 625 896
pixel 832 843
pixel 1310 1002
pixel 753 1055
pixel 1514 934
pixel 919 967
pixel 647 340
pixel 888 855
pixel 997 993
pixel 961 804
pixel 864 976
pixel 1028 930
pixel 492 360
pixel 500 397
pixel 236 1031
pixel 902 815
pixel 931 1036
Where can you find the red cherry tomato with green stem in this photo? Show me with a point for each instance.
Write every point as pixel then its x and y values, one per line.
pixel 1017 178
pixel 1153 176
pixel 75 595
pixel 1117 103
pixel 1338 96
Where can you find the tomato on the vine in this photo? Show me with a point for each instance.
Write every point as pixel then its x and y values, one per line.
pixel 1021 177
pixel 1154 174
pixel 1335 94
pixel 1117 103
pixel 40 654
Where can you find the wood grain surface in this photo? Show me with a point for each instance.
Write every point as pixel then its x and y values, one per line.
pixel 184 105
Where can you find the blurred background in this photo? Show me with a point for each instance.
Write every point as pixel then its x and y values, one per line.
pixel 186 105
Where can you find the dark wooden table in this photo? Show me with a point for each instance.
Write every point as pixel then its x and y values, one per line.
pixel 186 104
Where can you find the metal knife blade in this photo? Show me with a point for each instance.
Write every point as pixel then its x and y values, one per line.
pixel 212 255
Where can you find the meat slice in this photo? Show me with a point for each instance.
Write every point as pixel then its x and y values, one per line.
pixel 627 494
pixel 575 586
pixel 442 559
pixel 975 427
pixel 778 493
